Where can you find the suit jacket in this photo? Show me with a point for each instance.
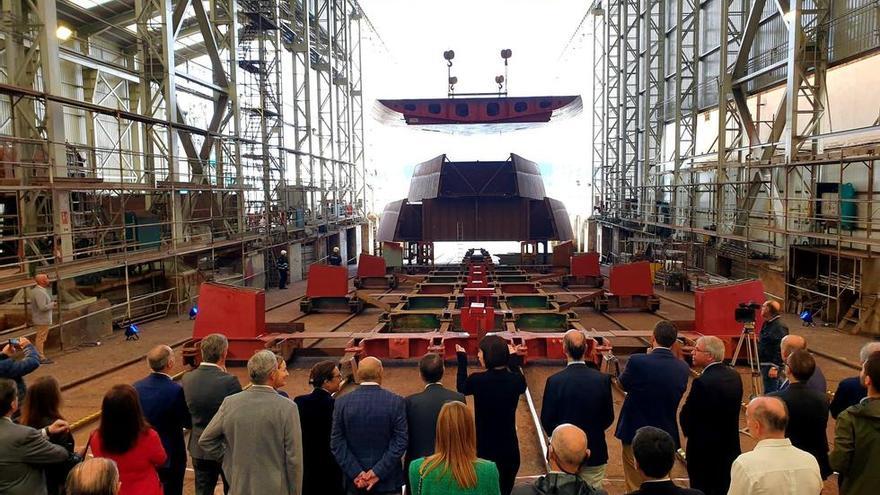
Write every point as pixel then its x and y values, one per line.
pixel 710 420
pixel 257 433
pixel 664 488
pixel 581 396
pixel 807 422
pixel 422 410
pixel 205 388
pixel 369 432
pixel 850 392
pixel 816 382
pixel 165 409
pixel 24 452
pixel 654 383
pixel 322 474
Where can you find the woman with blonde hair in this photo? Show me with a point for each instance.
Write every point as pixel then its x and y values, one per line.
pixel 454 468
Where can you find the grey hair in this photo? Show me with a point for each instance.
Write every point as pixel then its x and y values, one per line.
pixel 713 345
pixel 867 350
pixel 213 347
pixel 95 476
pixel 261 365
pixel 158 357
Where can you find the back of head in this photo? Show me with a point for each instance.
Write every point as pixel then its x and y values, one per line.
pixel 773 307
pixel 122 419
pixel 158 357
pixel 771 413
pixel 654 451
pixel 713 346
pixel 213 347
pixel 321 372
pixel 791 343
pixel 569 445
pixel 261 365
pixel 8 394
pixel 455 446
pixel 872 370
pixel 95 476
pixel 575 344
pixel 42 402
pixel 495 352
pixel 867 350
pixel 665 333
pixel 801 365
pixel 369 370
pixel 431 367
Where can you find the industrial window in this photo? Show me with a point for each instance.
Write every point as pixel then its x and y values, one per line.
pixel 520 106
pixel 461 109
pixel 544 104
pixel 492 109
pixel 434 108
pixel 410 107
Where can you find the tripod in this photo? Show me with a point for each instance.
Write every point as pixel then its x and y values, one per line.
pixel 748 335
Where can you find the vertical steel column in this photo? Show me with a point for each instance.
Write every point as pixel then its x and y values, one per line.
pixel 687 56
pixel 629 101
pixel 325 67
pixel 613 102
pixel 598 115
pixel 357 110
pixel 653 53
pixel 302 102
pixel 341 85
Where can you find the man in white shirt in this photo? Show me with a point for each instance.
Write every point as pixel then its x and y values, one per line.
pixel 41 307
pixel 774 466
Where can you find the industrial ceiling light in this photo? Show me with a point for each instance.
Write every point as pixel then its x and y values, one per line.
pixel 63 32
pixel 132 332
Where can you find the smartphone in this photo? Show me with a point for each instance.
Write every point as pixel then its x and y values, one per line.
pixel 15 342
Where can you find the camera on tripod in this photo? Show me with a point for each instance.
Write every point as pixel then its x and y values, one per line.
pixel 746 312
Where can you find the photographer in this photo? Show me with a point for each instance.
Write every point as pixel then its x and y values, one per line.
pixel 16 369
pixel 769 341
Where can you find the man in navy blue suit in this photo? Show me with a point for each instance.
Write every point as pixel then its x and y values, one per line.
pixel 850 391
pixel 564 403
pixel 369 434
pixel 654 384
pixel 165 409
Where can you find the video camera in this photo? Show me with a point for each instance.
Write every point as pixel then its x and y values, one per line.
pixel 746 312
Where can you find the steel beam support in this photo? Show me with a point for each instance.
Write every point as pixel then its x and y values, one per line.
pixel 653 88
pixel 629 175
pixel 684 102
pixel 598 114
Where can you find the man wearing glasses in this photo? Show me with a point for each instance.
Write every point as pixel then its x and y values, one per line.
pixel 710 418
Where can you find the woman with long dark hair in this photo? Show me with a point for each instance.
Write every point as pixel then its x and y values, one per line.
pixel 454 468
pixel 42 406
pixel 125 437
pixel 496 394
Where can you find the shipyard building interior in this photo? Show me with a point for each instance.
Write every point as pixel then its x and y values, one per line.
pixel 647 196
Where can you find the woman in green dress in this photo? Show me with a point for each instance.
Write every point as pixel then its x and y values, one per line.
pixel 454 468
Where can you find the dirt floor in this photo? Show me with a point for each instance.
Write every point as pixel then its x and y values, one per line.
pixel 402 378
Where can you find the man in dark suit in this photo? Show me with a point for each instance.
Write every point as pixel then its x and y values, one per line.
pixel 807 410
pixel 710 418
pixel 369 434
pixel 850 391
pixel 165 409
pixel 205 388
pixel 769 345
pixel 654 451
pixel 322 475
pixel 24 451
pixel 791 343
pixel 654 383
pixel 423 408
pixel 581 396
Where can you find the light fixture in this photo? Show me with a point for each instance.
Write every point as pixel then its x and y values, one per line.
pixel 63 32
pixel 807 318
pixel 193 312
pixel 132 332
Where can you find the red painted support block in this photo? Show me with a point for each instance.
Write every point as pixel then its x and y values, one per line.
pixel 585 265
pixel 237 312
pixel 327 281
pixel 370 266
pixel 633 279
pixel 715 304
pixel 477 319
pixel 485 295
pixel 562 252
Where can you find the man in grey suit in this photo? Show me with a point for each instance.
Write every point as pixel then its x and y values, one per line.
pixel 204 389
pixel 423 408
pixel 258 435
pixel 23 449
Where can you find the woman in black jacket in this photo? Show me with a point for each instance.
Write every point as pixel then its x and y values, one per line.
pixel 496 394
pixel 321 473
pixel 41 408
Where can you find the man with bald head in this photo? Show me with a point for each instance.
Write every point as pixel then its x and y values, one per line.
pixel 789 344
pixel 775 465
pixel 165 409
pixel 40 307
pixel 580 395
pixel 769 342
pixel 369 434
pixel 566 453
pixel 850 391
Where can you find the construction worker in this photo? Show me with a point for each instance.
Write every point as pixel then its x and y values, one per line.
pixel 334 259
pixel 283 269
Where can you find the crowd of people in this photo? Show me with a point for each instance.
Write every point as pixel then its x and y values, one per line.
pixel 365 439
